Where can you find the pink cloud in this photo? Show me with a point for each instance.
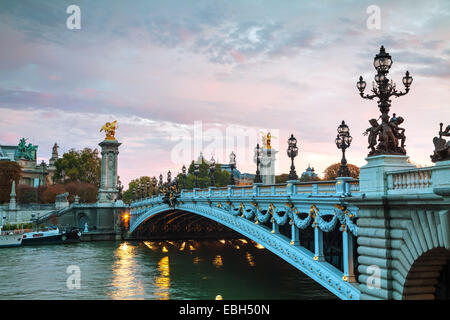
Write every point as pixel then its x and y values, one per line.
pixel 239 57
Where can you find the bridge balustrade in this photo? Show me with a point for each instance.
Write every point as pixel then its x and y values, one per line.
pixel 417 179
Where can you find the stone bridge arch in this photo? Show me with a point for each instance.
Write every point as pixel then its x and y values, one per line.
pixel 410 248
pixel 425 254
pixel 427 278
pixel 302 259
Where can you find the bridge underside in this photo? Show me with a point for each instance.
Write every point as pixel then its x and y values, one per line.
pixel 181 225
pixel 197 221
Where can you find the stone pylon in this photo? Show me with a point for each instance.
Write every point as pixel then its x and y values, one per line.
pixel 268 165
pixel 108 184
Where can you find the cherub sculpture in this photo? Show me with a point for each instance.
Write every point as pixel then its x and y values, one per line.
pixel 373 133
pixel 387 138
pixel 441 146
pixel 399 133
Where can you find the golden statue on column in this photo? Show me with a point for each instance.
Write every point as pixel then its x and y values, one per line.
pixel 266 139
pixel 110 130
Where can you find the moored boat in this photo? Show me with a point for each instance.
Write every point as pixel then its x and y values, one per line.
pixel 10 239
pixel 51 235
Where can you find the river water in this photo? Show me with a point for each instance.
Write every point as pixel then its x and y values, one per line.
pixel 203 269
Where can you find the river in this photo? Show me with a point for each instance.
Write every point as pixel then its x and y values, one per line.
pixel 203 269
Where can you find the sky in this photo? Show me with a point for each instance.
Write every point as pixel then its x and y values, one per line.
pixel 184 77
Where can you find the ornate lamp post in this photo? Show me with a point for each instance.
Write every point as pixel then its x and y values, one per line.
pixel 343 141
pixel 160 183
pixel 212 168
pixel 258 156
pixel 183 170
pixel 388 132
pixel 292 152
pixel 142 191
pixel 148 188
pixel 169 177
pixel 232 167
pixel 196 172
pixel 134 194
pixel 154 182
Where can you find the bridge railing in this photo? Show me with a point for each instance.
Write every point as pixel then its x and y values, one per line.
pixel 419 180
pixel 331 187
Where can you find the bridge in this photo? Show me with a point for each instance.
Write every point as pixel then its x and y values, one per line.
pixel 392 226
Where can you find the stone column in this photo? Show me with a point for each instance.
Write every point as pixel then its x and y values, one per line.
pixel 268 165
pixel 12 199
pixel 108 184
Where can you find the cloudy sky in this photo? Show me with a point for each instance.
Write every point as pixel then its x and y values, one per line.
pixel 207 75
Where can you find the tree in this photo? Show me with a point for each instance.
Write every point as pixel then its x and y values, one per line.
pixel 50 193
pixel 281 178
pixel 221 177
pixel 26 194
pixel 86 191
pixel 128 195
pixel 78 166
pixel 9 171
pixel 331 172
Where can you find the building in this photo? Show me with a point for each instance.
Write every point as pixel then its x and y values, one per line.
pixel 33 174
pixel 309 174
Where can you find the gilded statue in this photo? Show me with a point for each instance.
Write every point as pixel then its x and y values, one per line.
pixel 110 130
pixel 266 140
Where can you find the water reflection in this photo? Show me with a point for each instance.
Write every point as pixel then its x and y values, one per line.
pixel 218 261
pixel 162 282
pixel 250 259
pixel 124 274
pixel 136 270
pixel 196 260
